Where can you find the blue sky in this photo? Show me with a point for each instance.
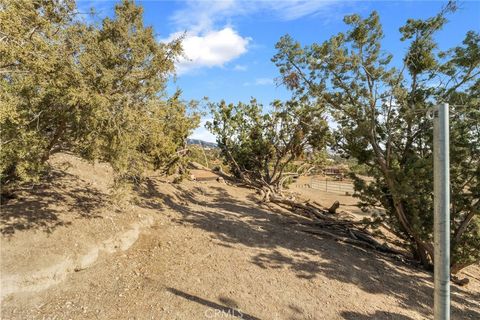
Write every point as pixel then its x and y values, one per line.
pixel 229 43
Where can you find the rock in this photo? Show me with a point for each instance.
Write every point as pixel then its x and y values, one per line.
pixel 460 282
pixel 220 180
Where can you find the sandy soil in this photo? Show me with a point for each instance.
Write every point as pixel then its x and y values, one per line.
pixel 198 250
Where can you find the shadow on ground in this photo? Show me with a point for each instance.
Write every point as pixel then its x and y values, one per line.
pixel 348 315
pixel 246 222
pixel 39 206
pixel 219 311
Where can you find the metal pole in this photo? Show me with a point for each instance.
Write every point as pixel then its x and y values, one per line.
pixel 441 169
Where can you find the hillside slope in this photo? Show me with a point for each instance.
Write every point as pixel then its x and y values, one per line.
pixel 197 250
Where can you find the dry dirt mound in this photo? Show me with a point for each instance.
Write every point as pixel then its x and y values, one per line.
pixel 198 250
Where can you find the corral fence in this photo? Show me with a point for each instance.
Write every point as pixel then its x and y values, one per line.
pixel 331 186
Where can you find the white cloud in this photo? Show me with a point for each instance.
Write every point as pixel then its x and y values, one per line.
pixel 295 9
pixel 259 82
pixel 201 133
pixel 198 15
pixel 263 81
pixel 239 67
pixel 213 48
pixel 207 45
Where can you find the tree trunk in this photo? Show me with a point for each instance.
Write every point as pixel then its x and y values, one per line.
pixel 56 137
pixel 422 250
pixel 334 207
pixel 457 267
pixel 423 254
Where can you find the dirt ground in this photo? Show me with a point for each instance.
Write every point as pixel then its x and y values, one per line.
pixel 196 250
pixel 347 202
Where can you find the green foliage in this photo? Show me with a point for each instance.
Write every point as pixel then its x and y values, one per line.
pixel 96 90
pixel 208 157
pixel 259 147
pixel 35 68
pixel 382 122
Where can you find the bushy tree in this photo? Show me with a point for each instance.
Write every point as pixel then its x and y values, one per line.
pixel 260 147
pixel 94 89
pixel 124 71
pixel 381 115
pixel 35 66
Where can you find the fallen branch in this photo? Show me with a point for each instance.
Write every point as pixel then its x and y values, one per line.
pixel 320 218
pixel 374 245
pixel 346 231
pixel 334 207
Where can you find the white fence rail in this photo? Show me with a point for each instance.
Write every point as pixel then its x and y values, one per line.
pixel 331 186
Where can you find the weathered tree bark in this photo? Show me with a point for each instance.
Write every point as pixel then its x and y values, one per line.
pixel 347 231
pixel 463 226
pixel 460 282
pixel 459 266
pixel 55 139
pixel 422 250
pixel 334 207
pixel 362 242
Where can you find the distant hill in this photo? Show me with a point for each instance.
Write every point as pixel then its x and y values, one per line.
pixel 202 143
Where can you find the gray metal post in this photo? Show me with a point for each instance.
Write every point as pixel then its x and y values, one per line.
pixel 441 169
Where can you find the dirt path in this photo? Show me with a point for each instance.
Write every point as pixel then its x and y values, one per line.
pixel 211 253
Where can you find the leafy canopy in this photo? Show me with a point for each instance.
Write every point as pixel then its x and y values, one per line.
pixel 381 115
pixel 94 89
pixel 259 146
